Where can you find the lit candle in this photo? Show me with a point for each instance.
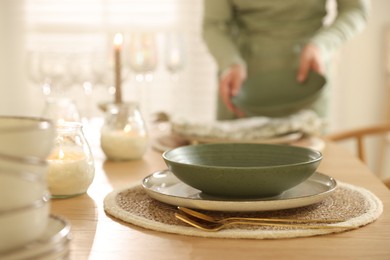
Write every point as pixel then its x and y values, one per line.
pixel 69 173
pixel 124 144
pixel 118 41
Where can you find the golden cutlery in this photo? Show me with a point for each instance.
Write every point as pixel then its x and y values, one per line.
pixel 212 227
pixel 211 219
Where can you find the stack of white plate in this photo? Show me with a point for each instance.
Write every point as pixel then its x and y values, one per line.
pixel 26 226
pixel 24 201
pixel 52 244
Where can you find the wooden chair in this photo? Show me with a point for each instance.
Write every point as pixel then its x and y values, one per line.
pixel 359 134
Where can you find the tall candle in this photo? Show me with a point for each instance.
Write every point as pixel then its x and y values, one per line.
pixel 69 173
pixel 118 41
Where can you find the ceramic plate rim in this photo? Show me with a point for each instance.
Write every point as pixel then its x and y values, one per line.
pixel 268 204
pixel 280 139
pixel 44 245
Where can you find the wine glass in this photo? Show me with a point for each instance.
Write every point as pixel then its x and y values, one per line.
pixel 143 55
pixel 174 63
pixel 79 68
pixel 102 72
pixel 174 54
pixel 33 61
pixel 54 68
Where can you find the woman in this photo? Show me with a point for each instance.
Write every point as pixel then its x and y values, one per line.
pixel 253 39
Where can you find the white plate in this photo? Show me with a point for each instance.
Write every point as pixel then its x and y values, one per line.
pixel 53 244
pixel 166 142
pixel 281 139
pixel 165 187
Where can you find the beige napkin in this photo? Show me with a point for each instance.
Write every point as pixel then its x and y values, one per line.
pixel 252 128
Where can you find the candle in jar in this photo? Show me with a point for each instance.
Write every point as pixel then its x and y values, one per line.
pixel 69 173
pixel 123 145
pixel 118 41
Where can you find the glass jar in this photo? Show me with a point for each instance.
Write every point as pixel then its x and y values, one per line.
pixel 124 135
pixel 71 166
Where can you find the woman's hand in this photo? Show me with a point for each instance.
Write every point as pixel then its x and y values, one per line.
pixel 229 86
pixel 310 59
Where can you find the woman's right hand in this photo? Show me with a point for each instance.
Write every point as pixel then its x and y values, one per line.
pixel 230 84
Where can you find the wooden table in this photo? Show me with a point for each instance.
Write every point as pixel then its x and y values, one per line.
pixel 97 236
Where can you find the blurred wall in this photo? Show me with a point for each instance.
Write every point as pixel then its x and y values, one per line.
pixel 360 76
pixel 14 96
pixel 361 90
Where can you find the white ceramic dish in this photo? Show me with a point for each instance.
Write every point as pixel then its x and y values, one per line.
pixel 282 139
pixel 169 141
pixel 26 136
pixel 18 189
pixel 24 164
pixel 22 225
pixel 22 181
pixel 52 244
pixel 165 187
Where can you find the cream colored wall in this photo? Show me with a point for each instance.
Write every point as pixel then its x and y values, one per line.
pixel 360 81
pixel 14 96
pixel 359 89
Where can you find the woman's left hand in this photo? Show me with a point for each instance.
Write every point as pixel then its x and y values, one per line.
pixel 310 59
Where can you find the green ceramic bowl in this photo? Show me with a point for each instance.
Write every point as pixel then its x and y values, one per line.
pixel 278 93
pixel 242 170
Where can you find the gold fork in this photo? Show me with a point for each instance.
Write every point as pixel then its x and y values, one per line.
pixel 211 219
pixel 212 227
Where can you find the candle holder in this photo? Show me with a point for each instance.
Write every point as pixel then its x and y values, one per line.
pixel 124 135
pixel 71 167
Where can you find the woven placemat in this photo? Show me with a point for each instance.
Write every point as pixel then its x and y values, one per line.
pixel 355 204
